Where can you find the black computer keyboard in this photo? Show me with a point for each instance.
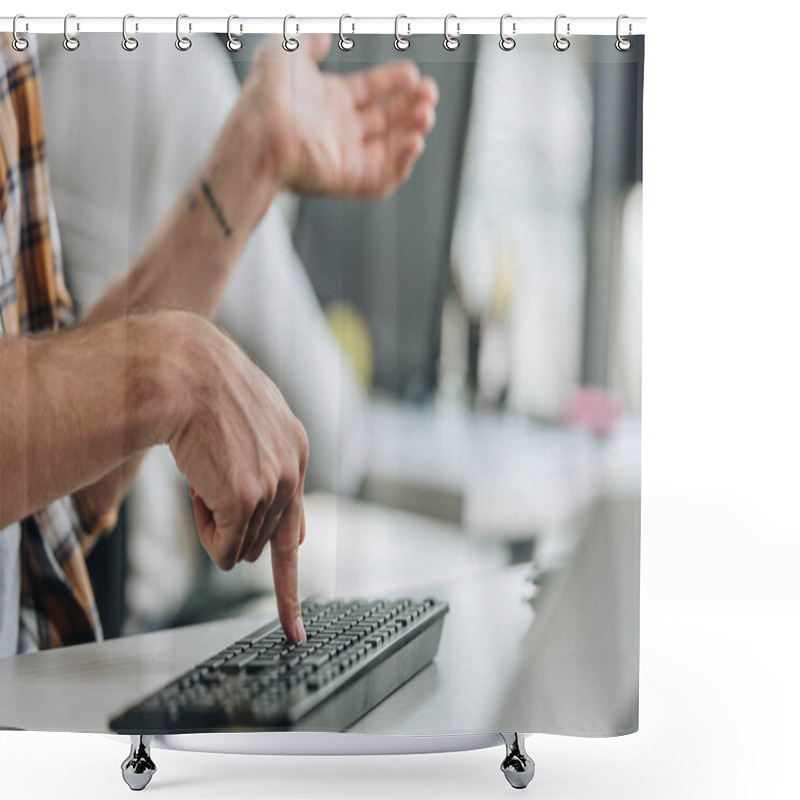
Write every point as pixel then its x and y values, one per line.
pixel 357 654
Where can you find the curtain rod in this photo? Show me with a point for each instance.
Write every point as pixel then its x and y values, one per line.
pixel 407 26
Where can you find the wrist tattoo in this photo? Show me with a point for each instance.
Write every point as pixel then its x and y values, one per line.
pixel 212 202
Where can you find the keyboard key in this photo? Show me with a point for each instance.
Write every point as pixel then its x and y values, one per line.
pixel 318 659
pixel 246 642
pixel 213 663
pixel 264 662
pixel 239 662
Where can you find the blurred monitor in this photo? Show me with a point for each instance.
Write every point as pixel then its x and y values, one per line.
pixel 390 259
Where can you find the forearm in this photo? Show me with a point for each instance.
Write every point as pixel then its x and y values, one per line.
pixel 74 405
pixel 187 261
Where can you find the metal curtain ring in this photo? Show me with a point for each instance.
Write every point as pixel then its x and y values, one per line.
pixel 183 43
pixel 345 43
pixel 233 44
pixel 561 43
pixel 622 44
pixel 19 44
pixel 451 42
pixel 290 44
pixel 70 42
pixel 400 42
pixel 507 42
pixel 128 42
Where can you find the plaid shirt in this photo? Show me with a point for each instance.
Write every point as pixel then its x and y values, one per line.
pixel 57 605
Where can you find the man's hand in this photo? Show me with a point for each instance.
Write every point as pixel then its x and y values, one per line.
pixel 357 134
pixel 244 454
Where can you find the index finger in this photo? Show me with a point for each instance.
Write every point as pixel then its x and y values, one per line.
pixel 372 85
pixel 283 547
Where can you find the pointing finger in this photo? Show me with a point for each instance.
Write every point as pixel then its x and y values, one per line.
pixel 283 546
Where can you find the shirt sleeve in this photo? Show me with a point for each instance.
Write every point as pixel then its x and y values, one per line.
pixel 92 526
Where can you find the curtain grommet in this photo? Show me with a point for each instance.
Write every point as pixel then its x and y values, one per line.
pixel 18 42
pixel 507 43
pixel 129 43
pixel 561 43
pixel 345 42
pixel 622 44
pixel 290 44
pixel 70 43
pixel 233 44
pixel 183 43
pixel 451 43
pixel 401 43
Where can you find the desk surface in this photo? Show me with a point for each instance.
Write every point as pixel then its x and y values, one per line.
pixel 568 664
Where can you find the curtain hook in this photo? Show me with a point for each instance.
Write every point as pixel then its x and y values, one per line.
pixel 451 42
pixel 561 43
pixel 507 42
pixel 400 42
pixel 183 43
pixel 233 44
pixel 19 44
pixel 345 43
pixel 71 43
pixel 128 42
pixel 622 44
pixel 290 44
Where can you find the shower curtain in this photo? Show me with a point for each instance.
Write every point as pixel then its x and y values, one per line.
pixel 462 347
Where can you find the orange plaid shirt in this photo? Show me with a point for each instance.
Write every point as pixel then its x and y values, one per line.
pixel 57 605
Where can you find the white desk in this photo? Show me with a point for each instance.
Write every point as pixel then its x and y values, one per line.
pixel 570 666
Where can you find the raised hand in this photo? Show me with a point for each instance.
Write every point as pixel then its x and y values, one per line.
pixel 357 134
